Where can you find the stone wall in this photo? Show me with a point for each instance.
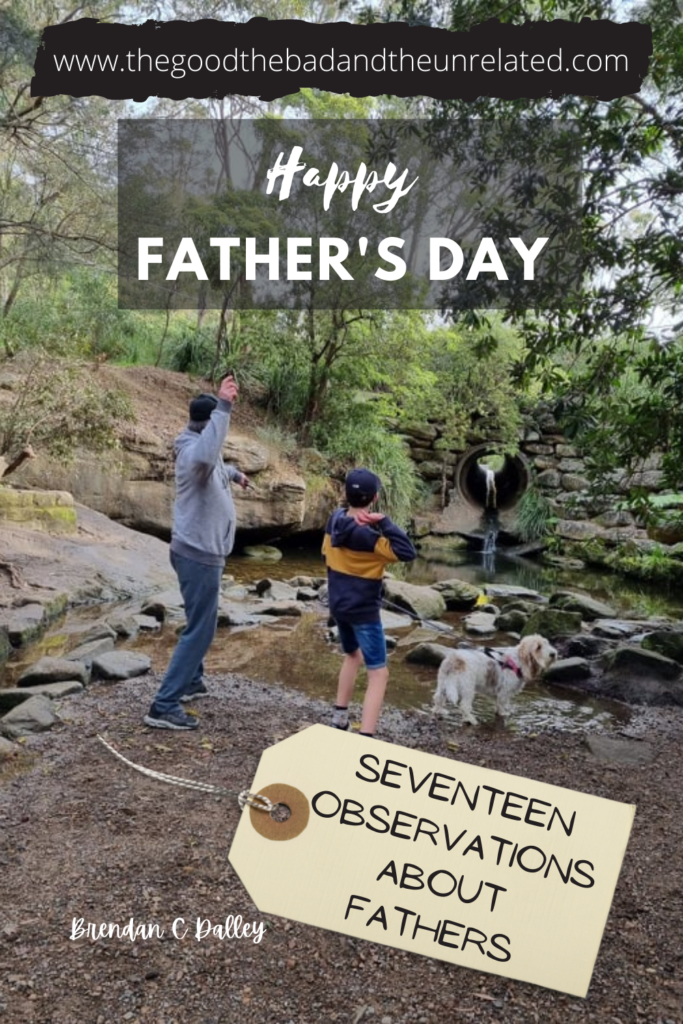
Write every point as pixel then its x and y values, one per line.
pixel 52 511
pixel 134 485
pixel 557 468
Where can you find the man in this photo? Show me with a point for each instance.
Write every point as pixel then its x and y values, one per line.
pixel 358 545
pixel 202 538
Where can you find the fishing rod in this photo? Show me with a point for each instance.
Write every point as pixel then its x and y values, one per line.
pixel 440 627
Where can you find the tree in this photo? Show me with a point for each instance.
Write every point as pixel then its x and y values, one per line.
pixel 627 318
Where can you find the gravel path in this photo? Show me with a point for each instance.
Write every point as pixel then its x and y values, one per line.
pixel 82 836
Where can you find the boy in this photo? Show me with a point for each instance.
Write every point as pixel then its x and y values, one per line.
pixel 358 545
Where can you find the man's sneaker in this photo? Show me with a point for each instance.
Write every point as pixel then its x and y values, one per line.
pixel 170 720
pixel 195 694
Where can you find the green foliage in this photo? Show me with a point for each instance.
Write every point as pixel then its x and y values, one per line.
pixel 613 353
pixel 535 518
pixel 59 408
pixel 364 443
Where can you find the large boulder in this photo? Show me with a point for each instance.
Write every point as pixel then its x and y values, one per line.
pixel 567 670
pixel 53 670
pixel 552 622
pixel 23 624
pixel 423 602
pixel 33 715
pixel 668 643
pixel 458 594
pixel 634 662
pixel 120 665
pixel 480 623
pixel 588 607
pixel 428 654
pixel 511 621
pixel 12 696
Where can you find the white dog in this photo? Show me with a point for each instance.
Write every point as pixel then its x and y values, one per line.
pixel 500 672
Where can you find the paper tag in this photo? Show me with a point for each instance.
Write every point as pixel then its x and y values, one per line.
pixel 432 855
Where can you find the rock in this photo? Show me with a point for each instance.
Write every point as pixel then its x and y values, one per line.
pixel 148 623
pixel 552 622
pixel 11 697
pixel 53 670
pixel 8 749
pixel 574 482
pixel 577 530
pixel 23 624
pixel 123 625
pixel 480 624
pixel 99 631
pixel 614 629
pixel 305 581
pixel 247 454
pixel 292 608
pixel 588 607
pixel 421 431
pixel 307 594
pixel 394 620
pixel 49 511
pixel 458 594
pixel 585 646
pixel 669 644
pixel 236 593
pixel 549 480
pixel 424 602
pixel 264 552
pixel 606 748
pixel 229 615
pixel 428 654
pixel 526 607
pixel 511 621
pixel 31 716
pixel 567 670
pixel 416 636
pixel 120 665
pixel 275 590
pixel 86 652
pixel 155 610
pixel 170 600
pixel 636 662
pixel 508 590
pixel 641 690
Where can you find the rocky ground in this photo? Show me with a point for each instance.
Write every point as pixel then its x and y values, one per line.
pixel 83 836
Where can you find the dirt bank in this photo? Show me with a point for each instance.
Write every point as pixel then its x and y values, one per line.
pixel 83 836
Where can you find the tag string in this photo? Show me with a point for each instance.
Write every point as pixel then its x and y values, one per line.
pixel 244 798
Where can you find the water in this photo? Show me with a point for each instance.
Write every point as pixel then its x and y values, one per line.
pixel 297 653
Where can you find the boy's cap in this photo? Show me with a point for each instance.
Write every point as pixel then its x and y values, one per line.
pixel 362 481
pixel 201 408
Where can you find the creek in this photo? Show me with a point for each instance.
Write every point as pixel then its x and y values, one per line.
pixel 296 652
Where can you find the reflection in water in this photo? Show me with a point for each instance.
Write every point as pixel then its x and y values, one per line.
pixel 296 653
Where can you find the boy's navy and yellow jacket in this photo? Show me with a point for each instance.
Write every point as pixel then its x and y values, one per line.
pixel 356 557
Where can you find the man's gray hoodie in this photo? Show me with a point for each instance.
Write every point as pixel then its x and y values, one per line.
pixel 204 512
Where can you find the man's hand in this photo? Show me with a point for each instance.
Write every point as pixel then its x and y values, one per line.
pixel 366 518
pixel 244 481
pixel 229 389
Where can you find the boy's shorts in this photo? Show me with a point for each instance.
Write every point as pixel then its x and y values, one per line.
pixel 369 636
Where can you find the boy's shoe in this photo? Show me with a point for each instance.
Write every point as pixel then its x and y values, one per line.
pixel 342 727
pixel 195 693
pixel 177 720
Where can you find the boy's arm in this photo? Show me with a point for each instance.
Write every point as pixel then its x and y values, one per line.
pixel 394 544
